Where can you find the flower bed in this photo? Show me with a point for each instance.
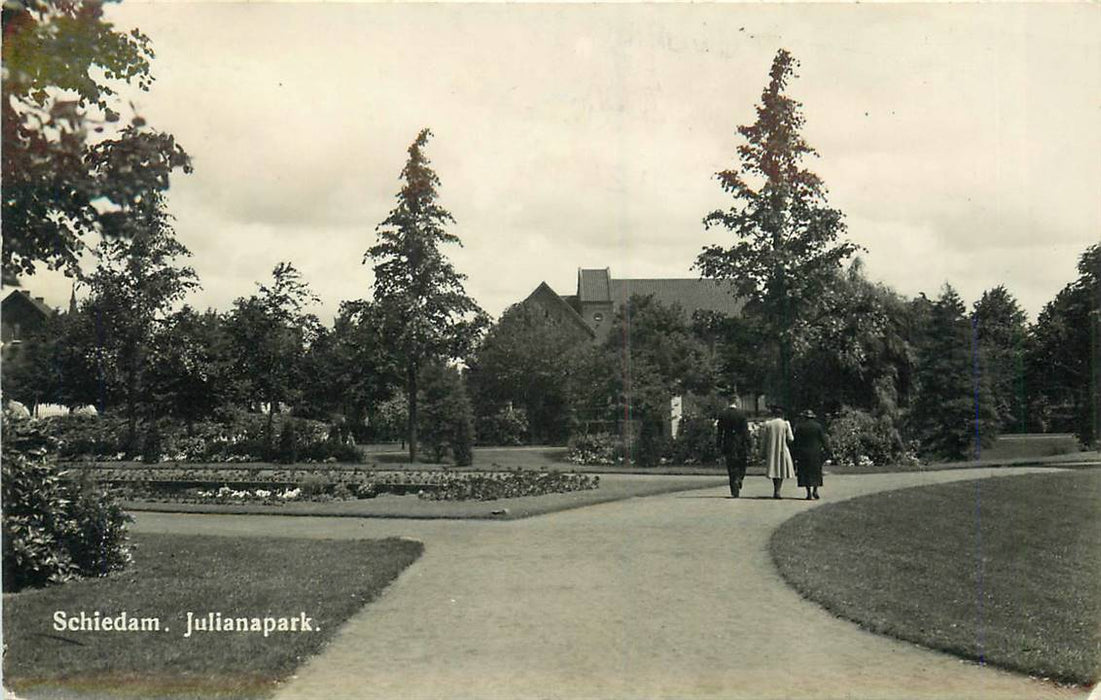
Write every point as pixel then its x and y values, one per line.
pixel 182 484
pixel 493 485
pixel 595 449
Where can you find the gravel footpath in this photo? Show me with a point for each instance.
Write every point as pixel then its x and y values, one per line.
pixel 665 596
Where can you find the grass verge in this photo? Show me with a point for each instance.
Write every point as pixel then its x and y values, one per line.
pixel 326 580
pixel 1005 571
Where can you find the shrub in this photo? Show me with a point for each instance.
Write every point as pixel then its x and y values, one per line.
pixel 509 426
pixel 96 538
pixel 462 438
pixel 152 447
pixel 595 449
pixel 445 421
pixel 316 485
pixel 652 444
pixel 53 530
pixel 858 438
pixel 695 443
pixel 237 436
pixel 331 450
pixel 77 436
pixel 287 449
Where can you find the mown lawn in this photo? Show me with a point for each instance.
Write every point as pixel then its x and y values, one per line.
pixel 1004 570
pixel 327 580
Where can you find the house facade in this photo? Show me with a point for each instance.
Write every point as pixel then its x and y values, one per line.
pixel 21 315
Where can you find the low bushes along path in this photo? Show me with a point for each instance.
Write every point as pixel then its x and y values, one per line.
pixel 664 596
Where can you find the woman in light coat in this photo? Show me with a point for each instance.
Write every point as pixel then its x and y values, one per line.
pixel 777 435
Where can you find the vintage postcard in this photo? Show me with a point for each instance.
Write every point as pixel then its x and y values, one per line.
pixel 626 350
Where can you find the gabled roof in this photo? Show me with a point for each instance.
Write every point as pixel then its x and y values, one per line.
pixel 691 294
pixel 544 292
pixel 23 297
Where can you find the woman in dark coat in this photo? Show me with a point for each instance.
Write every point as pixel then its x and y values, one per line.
pixel 809 450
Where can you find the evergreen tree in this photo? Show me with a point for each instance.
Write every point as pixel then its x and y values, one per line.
pixel 1001 328
pixel 952 414
pixel 447 419
pixel 1064 355
pixel 426 312
pixel 786 236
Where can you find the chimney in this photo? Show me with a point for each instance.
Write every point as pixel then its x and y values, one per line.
pixel 40 300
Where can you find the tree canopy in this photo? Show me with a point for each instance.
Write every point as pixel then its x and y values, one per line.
pixel 856 351
pixel 271 332
pixel 350 367
pixel 529 362
pixel 133 290
pixel 71 167
pixel 659 358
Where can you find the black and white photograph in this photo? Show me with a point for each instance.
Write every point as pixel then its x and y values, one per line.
pixel 564 351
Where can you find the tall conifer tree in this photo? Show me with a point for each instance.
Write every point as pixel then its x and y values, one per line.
pixel 1000 326
pixel 425 308
pixel 786 236
pixel 953 413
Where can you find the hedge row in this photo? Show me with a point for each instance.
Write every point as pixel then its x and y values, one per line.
pixel 235 437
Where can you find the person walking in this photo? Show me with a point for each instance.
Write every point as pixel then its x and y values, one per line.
pixel 809 451
pixel 733 443
pixel 777 435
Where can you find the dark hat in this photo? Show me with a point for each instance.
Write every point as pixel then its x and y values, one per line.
pixel 807 413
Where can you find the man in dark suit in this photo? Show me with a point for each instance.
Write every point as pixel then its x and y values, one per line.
pixel 733 441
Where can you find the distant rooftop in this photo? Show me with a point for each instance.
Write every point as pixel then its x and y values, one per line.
pixel 690 294
pixel 24 295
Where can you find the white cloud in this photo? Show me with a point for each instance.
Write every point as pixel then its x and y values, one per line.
pixel 960 140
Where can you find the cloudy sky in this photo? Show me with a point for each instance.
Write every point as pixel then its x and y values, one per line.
pixel 962 142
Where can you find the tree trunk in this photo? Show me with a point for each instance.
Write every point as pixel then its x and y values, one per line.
pixel 269 440
pixel 785 373
pixel 132 411
pixel 411 385
pixel 1095 337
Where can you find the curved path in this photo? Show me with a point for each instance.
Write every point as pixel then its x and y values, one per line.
pixel 664 596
